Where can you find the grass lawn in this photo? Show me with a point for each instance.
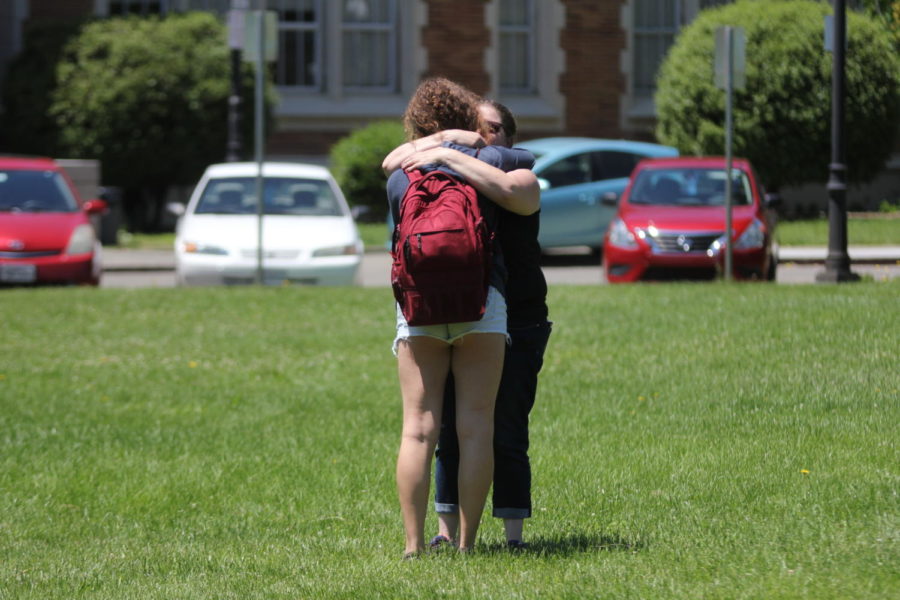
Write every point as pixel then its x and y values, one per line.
pixel 689 441
pixel 860 232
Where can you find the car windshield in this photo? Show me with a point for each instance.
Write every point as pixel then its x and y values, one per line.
pixel 34 191
pixel 689 187
pixel 282 196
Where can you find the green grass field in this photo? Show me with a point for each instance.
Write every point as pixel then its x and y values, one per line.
pixel 689 441
pixel 860 232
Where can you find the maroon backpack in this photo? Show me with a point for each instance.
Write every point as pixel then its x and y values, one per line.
pixel 441 251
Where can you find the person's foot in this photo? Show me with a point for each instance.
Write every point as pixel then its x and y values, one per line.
pixel 516 545
pixel 411 555
pixel 440 541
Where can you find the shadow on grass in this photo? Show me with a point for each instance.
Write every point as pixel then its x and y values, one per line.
pixel 577 543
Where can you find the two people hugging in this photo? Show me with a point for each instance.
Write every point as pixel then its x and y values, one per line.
pixel 468 388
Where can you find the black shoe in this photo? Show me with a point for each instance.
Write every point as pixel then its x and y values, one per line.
pixel 439 541
pixel 516 545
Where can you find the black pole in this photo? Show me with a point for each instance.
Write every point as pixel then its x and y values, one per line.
pixel 837 263
pixel 235 108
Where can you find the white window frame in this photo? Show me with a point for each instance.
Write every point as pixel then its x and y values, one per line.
pixel 526 30
pixel 638 107
pixel 663 34
pixel 542 107
pixel 388 28
pixel 317 27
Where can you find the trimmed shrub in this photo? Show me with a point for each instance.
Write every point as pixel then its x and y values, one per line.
pixel 782 119
pixel 148 97
pixel 356 165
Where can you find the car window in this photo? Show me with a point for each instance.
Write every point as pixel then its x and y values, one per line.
pixel 689 187
pixel 571 170
pixel 281 195
pixel 613 165
pixel 35 191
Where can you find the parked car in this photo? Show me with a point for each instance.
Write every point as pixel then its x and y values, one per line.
pixel 309 236
pixel 575 175
pixel 46 236
pixel 671 223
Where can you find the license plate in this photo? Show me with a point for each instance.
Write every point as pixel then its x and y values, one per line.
pixel 18 273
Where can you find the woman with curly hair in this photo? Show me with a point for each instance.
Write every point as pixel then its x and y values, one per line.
pixel 427 354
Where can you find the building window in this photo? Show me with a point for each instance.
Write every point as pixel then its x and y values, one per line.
pixel 300 25
pixel 164 7
pixel 137 7
pixel 516 26
pixel 656 23
pixel 368 45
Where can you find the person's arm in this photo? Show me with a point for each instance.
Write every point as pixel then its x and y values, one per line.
pixel 462 137
pixel 517 191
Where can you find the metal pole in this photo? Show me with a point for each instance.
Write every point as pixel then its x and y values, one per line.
pixel 233 148
pixel 260 66
pixel 234 145
pixel 729 93
pixel 837 263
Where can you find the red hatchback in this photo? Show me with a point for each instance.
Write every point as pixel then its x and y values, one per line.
pixel 46 236
pixel 671 223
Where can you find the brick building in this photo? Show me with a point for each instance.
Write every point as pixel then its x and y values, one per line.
pixel 565 67
pixel 571 67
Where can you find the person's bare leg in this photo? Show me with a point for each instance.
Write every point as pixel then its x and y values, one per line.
pixel 477 363
pixel 422 364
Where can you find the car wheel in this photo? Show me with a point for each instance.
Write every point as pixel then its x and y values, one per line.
pixel 772 270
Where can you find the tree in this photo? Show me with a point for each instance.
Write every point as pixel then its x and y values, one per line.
pixel 148 97
pixel 356 164
pixel 782 119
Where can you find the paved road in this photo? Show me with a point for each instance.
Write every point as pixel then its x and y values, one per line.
pixel 154 269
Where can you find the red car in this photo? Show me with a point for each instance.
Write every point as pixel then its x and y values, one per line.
pixel 671 223
pixel 46 236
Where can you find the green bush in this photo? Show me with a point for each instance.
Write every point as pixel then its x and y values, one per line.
pixel 782 119
pixel 148 97
pixel 356 164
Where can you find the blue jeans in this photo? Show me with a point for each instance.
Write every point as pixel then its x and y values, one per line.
pixel 512 469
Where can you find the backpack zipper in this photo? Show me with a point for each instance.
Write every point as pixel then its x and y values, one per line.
pixel 419 235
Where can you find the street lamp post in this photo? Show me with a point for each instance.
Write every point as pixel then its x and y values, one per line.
pixel 837 263
pixel 234 146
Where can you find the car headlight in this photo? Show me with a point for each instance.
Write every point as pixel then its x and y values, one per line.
pixel 348 250
pixel 195 248
pixel 620 236
pixel 81 241
pixel 753 237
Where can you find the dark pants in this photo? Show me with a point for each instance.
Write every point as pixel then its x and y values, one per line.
pixel 512 469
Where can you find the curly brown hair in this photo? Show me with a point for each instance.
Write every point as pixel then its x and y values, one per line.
pixel 439 104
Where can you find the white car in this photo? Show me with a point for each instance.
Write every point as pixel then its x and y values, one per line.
pixel 309 236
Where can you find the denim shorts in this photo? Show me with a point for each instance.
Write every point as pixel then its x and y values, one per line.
pixel 493 321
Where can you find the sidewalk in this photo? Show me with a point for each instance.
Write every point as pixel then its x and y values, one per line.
pixel 118 259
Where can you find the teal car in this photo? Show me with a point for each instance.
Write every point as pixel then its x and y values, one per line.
pixel 575 175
